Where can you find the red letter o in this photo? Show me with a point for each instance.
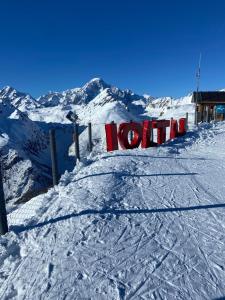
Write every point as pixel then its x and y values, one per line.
pixel 124 129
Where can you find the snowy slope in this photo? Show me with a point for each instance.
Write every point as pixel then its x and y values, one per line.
pixel 23 146
pixel 140 224
pixel 167 107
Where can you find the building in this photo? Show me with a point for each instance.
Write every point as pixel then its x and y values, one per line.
pixel 209 106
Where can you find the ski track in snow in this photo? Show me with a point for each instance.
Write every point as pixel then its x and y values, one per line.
pixel 113 229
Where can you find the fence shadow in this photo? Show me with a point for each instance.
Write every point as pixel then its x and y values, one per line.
pixel 151 156
pixel 124 174
pixel 117 212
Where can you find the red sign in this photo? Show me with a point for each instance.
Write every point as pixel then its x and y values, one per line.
pixel 142 133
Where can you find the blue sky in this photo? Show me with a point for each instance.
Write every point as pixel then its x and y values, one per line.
pixel 147 46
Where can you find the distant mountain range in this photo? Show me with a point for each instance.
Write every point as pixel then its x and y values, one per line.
pixel 77 96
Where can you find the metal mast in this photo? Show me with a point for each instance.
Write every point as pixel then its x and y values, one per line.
pixel 198 76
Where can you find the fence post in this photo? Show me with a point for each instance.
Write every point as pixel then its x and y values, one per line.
pixel 3 215
pixel 201 113
pixel 207 114
pixel 53 157
pixel 196 115
pixel 76 141
pixel 89 137
pixel 186 121
pixel 171 121
pixel 214 114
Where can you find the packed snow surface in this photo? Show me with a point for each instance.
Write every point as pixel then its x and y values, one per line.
pixel 137 224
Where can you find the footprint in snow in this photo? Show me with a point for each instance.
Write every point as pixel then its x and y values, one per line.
pixel 69 253
pixel 50 269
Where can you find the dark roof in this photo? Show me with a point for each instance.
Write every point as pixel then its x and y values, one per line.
pixel 208 97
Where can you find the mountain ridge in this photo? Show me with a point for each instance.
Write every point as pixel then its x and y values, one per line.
pixel 78 95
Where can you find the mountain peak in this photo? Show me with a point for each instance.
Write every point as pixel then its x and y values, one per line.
pixel 96 84
pixel 7 90
pixel 96 79
pixel 22 101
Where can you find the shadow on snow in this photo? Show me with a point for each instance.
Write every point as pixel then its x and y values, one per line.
pixel 117 212
pixel 124 174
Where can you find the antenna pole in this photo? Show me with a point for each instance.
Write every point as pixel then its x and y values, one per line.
pixel 198 76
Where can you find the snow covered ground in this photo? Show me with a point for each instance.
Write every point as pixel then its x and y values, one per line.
pixel 137 224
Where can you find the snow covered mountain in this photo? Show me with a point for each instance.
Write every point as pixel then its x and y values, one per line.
pixel 83 95
pixel 22 147
pixel 96 102
pixel 25 123
pixel 74 96
pixel 20 100
pixel 99 102
pixel 165 107
pixel 25 154
pixel 94 96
